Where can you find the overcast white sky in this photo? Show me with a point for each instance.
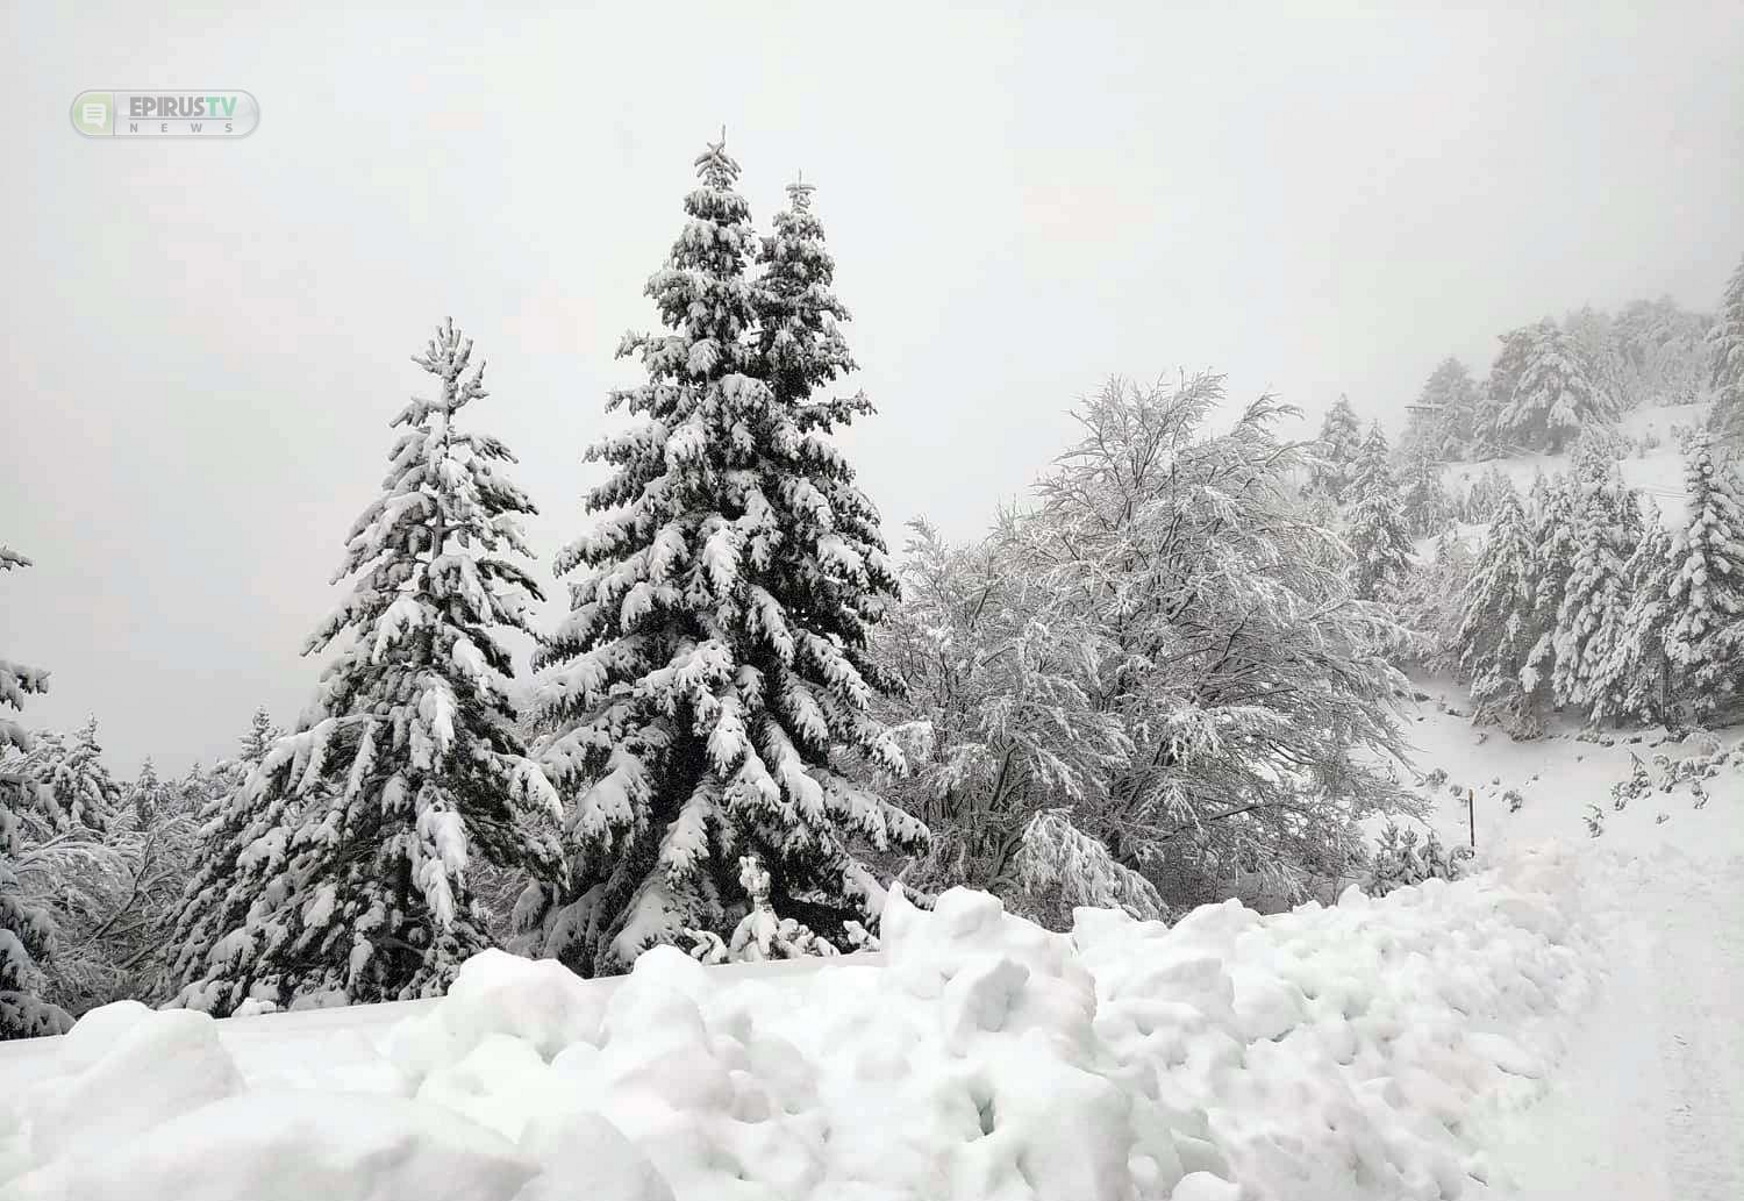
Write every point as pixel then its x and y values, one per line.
pixel 203 342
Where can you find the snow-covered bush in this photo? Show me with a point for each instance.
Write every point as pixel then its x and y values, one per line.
pixel 1397 861
pixel 761 934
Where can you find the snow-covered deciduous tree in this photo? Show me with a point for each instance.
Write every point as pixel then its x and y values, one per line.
pixel 1635 678
pixel 1060 868
pixel 26 929
pixel 995 715
pixel 1705 639
pixel 1665 352
pixel 1249 682
pixel 1379 535
pixel 1553 396
pixel 1607 527
pixel 1726 345
pixel 1339 446
pixel 112 890
pixel 1502 620
pixel 357 831
pixel 1431 602
pixel 709 694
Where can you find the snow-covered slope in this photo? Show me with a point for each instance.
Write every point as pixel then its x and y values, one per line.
pixel 1658 472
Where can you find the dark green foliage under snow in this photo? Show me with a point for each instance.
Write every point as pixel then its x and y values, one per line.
pixel 353 838
pixel 709 694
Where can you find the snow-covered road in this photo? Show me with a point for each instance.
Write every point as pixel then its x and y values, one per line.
pixel 1649 1104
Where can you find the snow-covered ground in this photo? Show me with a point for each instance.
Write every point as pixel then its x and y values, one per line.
pixel 1658 473
pixel 1563 1023
pixel 1649 1102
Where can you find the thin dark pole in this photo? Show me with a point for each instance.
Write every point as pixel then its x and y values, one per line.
pixel 1471 815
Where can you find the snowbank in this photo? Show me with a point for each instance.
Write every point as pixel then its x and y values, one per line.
pixel 1325 1053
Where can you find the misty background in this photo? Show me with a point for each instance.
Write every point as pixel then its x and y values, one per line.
pixel 203 342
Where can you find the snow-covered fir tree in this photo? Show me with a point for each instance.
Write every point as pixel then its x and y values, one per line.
pixel 360 828
pixel 1595 333
pixel 26 928
pixel 147 794
pixel 1379 535
pixel 262 733
pixel 1553 396
pixel 1556 541
pixel 709 694
pixel 1492 437
pixel 1595 600
pixel 1501 622
pixel 1423 497
pixel 1340 445
pixel 1706 637
pixel 1726 342
pixel 1445 424
pixel 1485 496
pixel 1634 680
pixel 224 815
pixel 72 768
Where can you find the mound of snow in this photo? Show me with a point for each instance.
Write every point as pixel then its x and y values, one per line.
pixel 1334 1053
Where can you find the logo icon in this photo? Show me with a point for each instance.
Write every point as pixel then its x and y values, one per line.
pixel 94 114
pixel 216 113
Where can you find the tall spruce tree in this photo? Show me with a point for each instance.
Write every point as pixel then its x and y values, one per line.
pixel 1607 528
pixel 1379 536
pixel 1340 446
pixel 713 678
pixel 1726 340
pixel 225 814
pixel 353 878
pixel 1706 636
pixel 1635 678
pixel 1554 396
pixel 1423 497
pixel 1500 626
pixel 1555 541
pixel 1447 425
pixel 26 930
pixel 1493 435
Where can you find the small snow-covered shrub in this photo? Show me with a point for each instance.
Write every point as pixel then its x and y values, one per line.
pixel 762 934
pixel 1399 862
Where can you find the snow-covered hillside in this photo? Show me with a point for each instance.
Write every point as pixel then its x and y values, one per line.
pixel 1551 1026
pixel 1657 472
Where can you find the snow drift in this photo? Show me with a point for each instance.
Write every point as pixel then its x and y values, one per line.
pixel 1324 1053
